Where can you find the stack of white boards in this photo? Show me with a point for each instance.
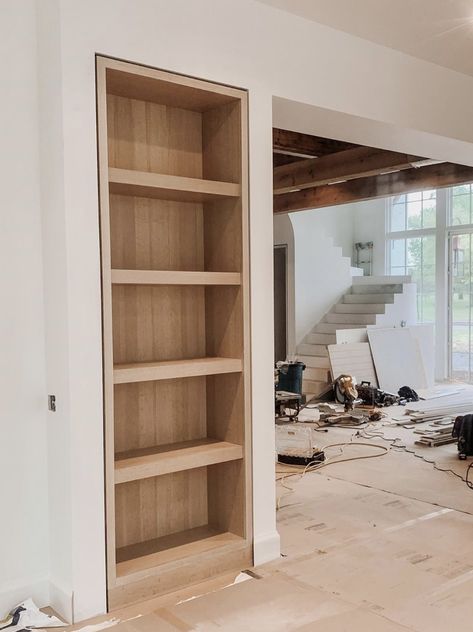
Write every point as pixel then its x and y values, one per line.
pixel 403 356
pixel 386 357
pixel 353 359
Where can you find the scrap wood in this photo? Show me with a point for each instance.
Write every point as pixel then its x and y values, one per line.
pixel 433 442
pixel 437 435
pixel 453 408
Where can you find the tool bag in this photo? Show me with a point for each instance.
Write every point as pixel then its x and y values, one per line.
pixel 408 393
pixel 463 431
pixel 373 396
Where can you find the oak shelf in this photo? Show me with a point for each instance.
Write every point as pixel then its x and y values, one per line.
pixel 169 187
pixel 174 277
pixel 173 369
pixel 147 462
pixel 144 557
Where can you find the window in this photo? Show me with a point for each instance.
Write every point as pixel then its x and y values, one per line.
pixel 413 211
pixel 415 256
pixel 460 205
pixel 411 245
pixel 428 233
pixel 461 306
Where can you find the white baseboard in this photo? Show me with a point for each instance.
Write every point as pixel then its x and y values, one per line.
pixel 14 593
pixel 61 600
pixel 266 547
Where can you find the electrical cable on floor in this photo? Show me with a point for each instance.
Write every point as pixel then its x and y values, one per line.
pixel 317 465
pixel 469 483
pixel 404 448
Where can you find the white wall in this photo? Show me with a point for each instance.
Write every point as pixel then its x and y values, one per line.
pixel 56 290
pixel 321 271
pixel 363 90
pixel 24 545
pixel 336 222
pixel 369 225
pixel 320 252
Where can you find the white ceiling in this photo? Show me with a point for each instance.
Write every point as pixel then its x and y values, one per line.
pixel 439 31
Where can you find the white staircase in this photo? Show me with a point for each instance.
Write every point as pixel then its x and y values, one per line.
pixel 381 301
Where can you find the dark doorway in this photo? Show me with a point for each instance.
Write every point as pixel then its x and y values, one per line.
pixel 280 302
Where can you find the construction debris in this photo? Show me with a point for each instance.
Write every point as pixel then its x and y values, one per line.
pixel 441 434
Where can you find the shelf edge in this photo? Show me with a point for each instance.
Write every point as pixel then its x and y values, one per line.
pixel 151 184
pixel 174 369
pixel 149 466
pixel 174 277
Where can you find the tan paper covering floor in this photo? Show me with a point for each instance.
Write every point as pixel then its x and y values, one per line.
pixel 380 545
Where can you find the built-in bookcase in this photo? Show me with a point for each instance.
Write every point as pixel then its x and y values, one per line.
pixel 173 217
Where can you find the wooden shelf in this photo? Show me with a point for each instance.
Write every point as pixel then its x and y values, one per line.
pixel 146 556
pixel 187 455
pixel 173 369
pixel 174 277
pixel 166 187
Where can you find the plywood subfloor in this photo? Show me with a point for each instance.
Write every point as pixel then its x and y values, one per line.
pixel 381 545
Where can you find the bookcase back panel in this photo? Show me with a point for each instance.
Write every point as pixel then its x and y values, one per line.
pixel 157 323
pixel 223 321
pixel 157 413
pixel 151 137
pixel 225 407
pixel 148 234
pixel 155 507
pixel 221 132
pixel 226 496
pixel 222 236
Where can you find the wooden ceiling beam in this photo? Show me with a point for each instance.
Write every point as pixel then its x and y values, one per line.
pixel 284 159
pixel 350 164
pixel 287 142
pixel 415 179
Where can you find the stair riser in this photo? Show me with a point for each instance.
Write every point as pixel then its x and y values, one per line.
pixel 320 375
pixel 315 362
pixel 367 299
pixel 315 350
pixel 331 328
pixel 321 339
pixel 310 387
pixel 376 289
pixel 351 319
pixel 361 308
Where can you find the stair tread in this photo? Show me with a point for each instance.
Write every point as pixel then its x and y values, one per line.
pixel 387 279
pixel 372 298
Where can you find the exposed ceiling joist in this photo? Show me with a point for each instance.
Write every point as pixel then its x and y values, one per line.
pixel 429 177
pixel 287 142
pixel 284 159
pixel 345 165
